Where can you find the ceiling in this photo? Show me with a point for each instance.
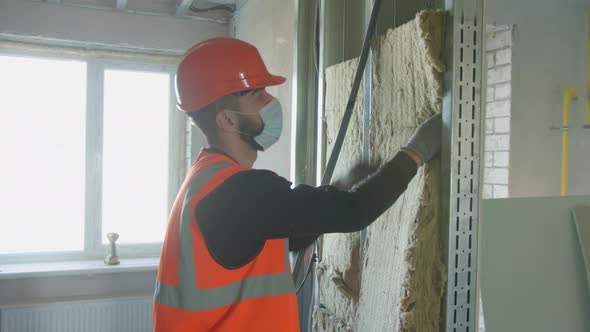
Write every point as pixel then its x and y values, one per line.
pixel 219 10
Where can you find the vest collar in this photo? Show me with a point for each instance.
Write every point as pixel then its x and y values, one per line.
pixel 218 151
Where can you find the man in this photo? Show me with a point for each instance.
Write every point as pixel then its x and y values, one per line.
pixel 224 263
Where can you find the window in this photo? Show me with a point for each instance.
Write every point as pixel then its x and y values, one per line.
pixel 135 155
pixel 42 131
pixel 90 145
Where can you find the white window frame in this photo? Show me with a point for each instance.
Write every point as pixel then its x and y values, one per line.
pixel 98 61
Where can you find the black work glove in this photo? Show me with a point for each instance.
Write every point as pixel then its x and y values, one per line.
pixel 425 142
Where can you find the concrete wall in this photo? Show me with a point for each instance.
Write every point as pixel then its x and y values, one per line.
pixel 548 54
pixel 497 135
pixel 270 26
pixel 103 27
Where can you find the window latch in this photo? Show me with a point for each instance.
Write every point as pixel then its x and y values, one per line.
pixel 112 258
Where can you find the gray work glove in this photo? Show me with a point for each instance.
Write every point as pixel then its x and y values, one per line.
pixel 425 142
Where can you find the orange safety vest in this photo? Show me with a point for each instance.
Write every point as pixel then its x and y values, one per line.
pixel 195 293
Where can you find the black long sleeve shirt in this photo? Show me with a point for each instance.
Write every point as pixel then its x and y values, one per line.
pixel 253 206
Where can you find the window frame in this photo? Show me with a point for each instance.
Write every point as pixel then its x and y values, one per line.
pixel 97 62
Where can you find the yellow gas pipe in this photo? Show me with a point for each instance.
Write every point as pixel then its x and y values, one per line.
pixel 568 95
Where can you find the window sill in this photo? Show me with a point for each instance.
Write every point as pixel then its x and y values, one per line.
pixel 23 284
pixel 71 268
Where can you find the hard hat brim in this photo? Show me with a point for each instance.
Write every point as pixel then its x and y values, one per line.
pixel 261 82
pixel 244 84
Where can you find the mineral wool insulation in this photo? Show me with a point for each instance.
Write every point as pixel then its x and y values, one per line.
pixel 397 283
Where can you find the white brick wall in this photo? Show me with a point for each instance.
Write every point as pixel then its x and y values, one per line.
pixel 497 138
pixel 499 74
pixel 503 56
pixel 501 91
pixel 496 175
pixel 496 109
pixel 502 125
pixel 498 36
pixel 500 159
pixel 497 142
pixel 490 93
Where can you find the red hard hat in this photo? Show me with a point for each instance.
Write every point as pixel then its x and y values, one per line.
pixel 216 67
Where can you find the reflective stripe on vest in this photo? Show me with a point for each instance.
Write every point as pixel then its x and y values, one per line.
pixel 187 296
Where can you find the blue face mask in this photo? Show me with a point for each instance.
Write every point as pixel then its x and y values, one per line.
pixel 272 118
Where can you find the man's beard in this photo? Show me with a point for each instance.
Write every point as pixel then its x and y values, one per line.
pixel 248 131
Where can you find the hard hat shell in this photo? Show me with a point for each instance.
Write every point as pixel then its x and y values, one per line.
pixel 217 67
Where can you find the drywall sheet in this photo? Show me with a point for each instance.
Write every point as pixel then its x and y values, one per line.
pixel 581 215
pixel 398 285
pixel 532 274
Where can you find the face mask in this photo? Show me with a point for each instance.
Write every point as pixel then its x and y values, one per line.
pixel 250 129
pixel 272 120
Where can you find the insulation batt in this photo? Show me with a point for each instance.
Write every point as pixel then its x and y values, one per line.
pixel 399 282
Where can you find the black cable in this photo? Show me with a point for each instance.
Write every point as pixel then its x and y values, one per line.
pixel 352 98
pixel 314 258
pixel 218 7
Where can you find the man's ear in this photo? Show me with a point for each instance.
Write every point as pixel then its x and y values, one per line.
pixel 226 121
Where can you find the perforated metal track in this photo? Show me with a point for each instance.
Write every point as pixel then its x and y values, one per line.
pixel 465 123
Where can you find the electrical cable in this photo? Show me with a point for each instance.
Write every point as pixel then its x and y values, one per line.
pixel 314 258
